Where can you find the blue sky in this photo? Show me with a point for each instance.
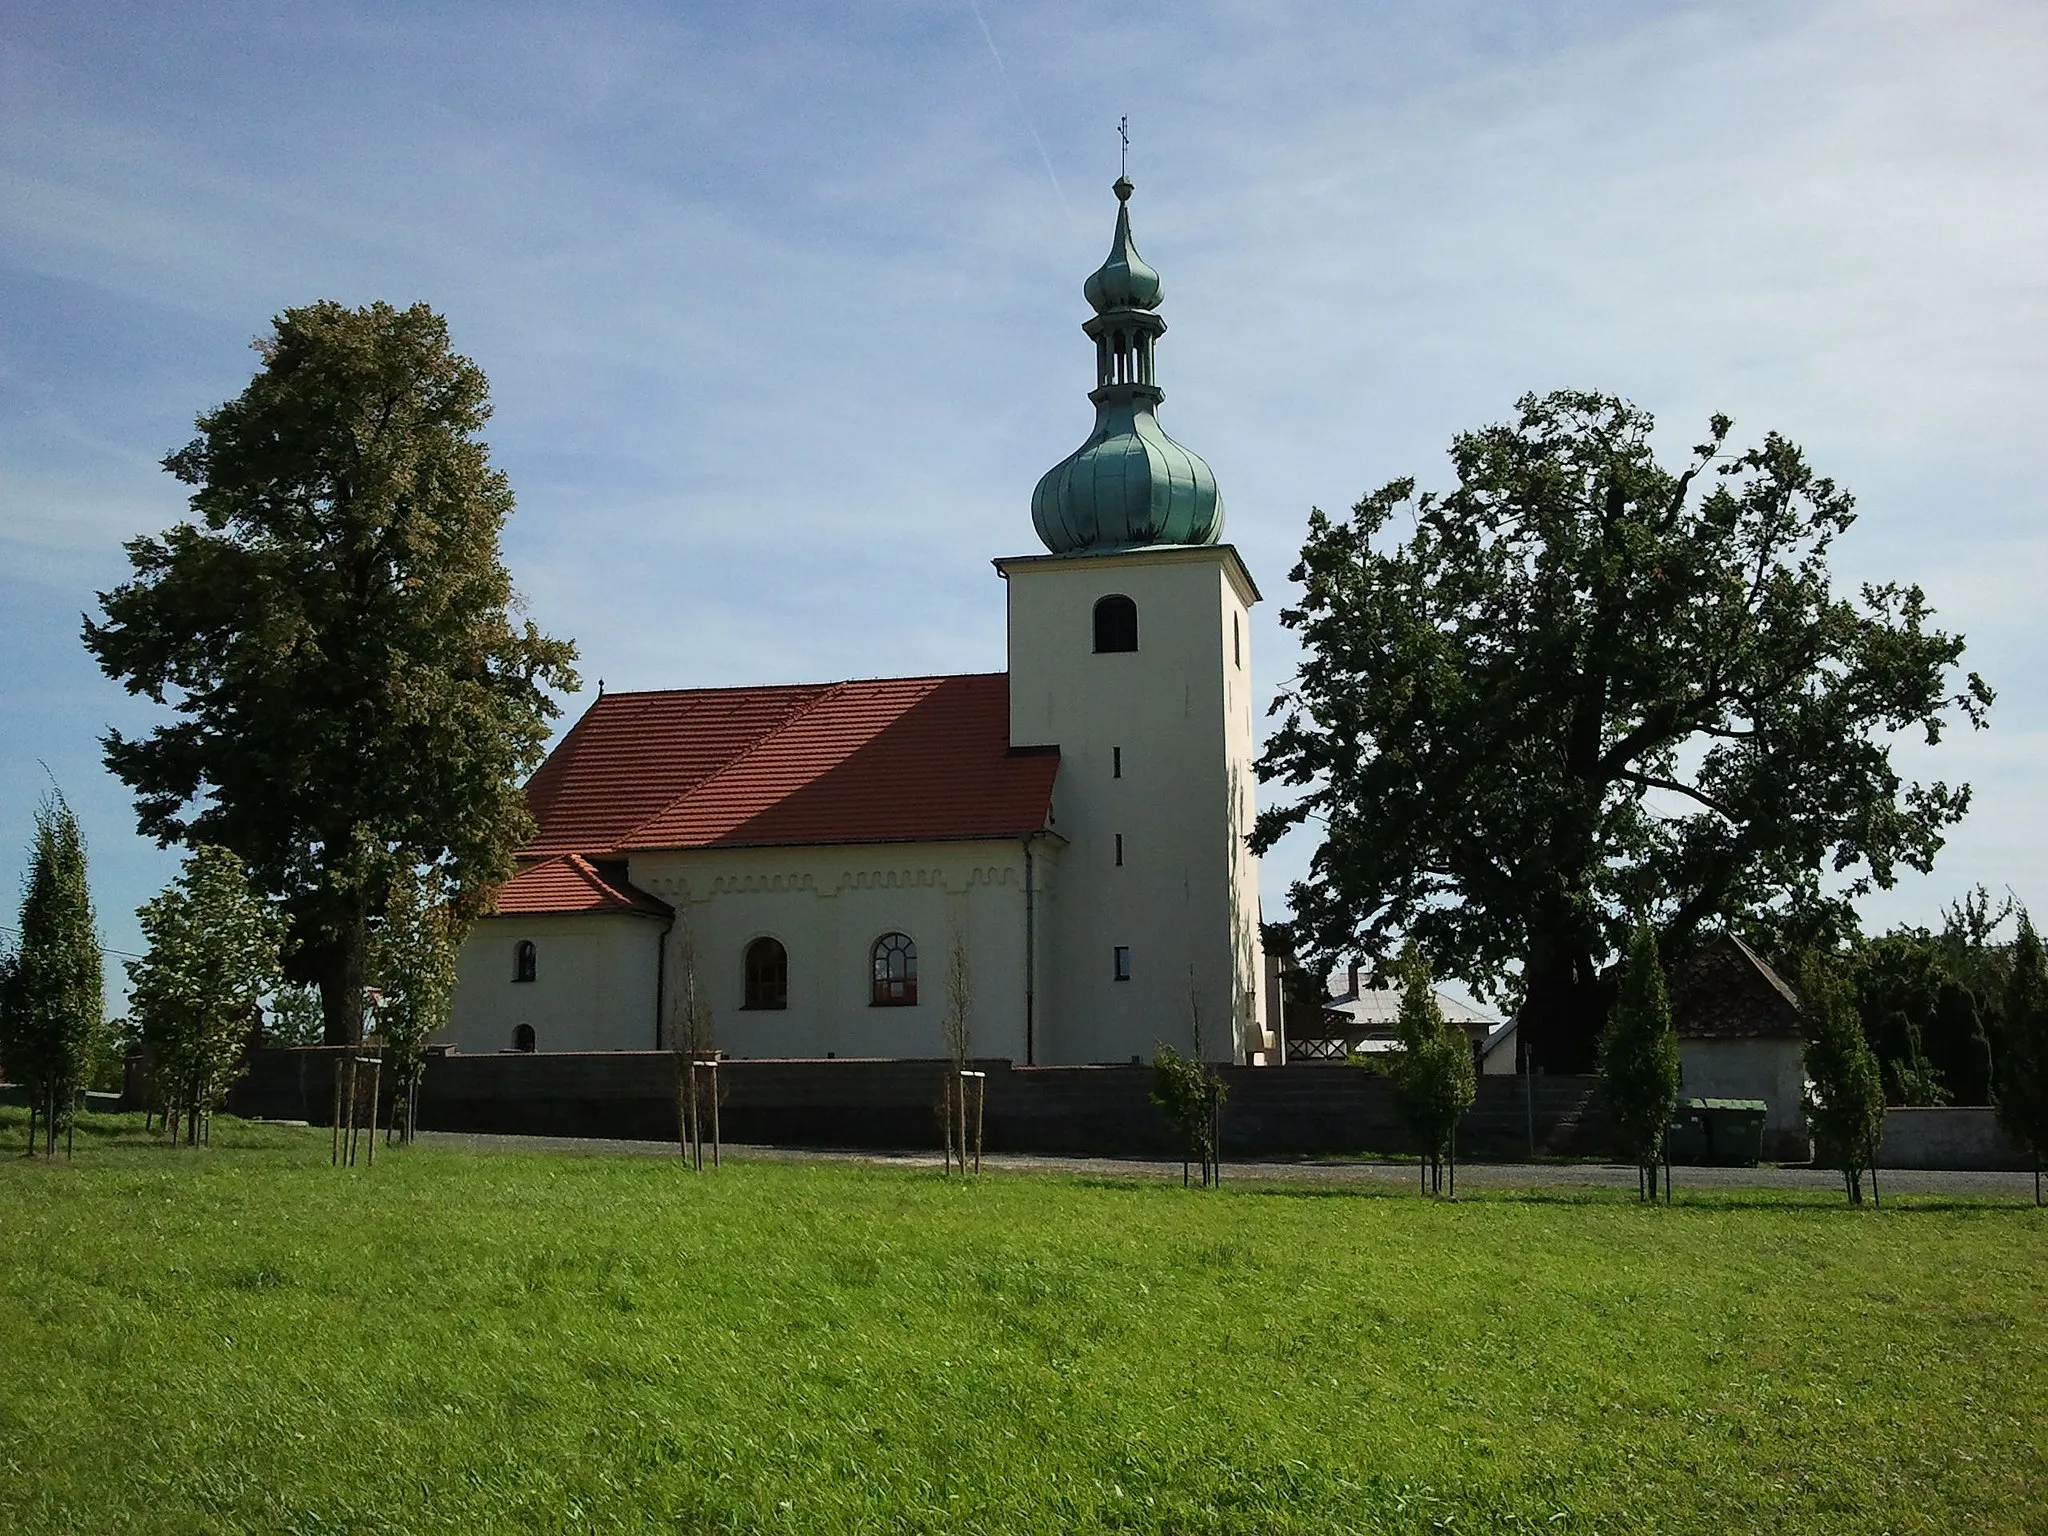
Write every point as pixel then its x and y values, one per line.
pixel 781 304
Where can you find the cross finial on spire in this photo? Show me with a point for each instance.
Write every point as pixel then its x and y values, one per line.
pixel 1123 159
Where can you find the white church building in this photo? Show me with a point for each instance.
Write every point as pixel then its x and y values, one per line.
pixel 811 857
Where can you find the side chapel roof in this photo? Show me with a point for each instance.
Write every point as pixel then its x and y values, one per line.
pixel 1727 991
pixel 907 759
pixel 571 883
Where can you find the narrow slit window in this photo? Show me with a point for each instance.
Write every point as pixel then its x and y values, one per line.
pixel 1122 959
pixel 767 975
pixel 1119 850
pixel 1236 641
pixel 1116 762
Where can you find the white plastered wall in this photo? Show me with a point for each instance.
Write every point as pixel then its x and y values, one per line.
pixel 1769 1069
pixel 827 906
pixel 593 986
pixel 1185 899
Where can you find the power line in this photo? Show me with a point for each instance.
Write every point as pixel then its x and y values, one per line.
pixel 103 949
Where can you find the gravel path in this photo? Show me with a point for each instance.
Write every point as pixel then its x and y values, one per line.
pixel 1563 1176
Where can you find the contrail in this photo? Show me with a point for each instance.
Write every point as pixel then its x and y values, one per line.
pixel 1029 127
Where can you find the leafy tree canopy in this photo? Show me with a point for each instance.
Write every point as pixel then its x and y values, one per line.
pixel 213 952
pixel 1585 686
pixel 334 632
pixel 413 951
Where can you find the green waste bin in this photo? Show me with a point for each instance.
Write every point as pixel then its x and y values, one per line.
pixel 1718 1133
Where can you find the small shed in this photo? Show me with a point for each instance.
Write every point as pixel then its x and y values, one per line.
pixel 1739 1037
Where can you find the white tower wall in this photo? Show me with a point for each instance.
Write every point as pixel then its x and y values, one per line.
pixel 1175 717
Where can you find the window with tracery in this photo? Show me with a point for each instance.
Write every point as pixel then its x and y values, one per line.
pixel 1116 624
pixel 767 967
pixel 895 960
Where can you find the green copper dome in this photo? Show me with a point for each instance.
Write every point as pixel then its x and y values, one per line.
pixel 1129 485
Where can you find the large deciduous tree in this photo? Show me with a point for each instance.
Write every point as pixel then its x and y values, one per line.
pixel 1585 686
pixel 334 631
pixel 52 997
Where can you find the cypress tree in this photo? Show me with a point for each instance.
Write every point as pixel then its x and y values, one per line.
pixel 1845 1105
pixel 52 999
pixel 1433 1079
pixel 1639 1060
pixel 2023 1075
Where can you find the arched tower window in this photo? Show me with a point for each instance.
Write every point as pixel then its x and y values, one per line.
pixel 767 975
pixel 523 959
pixel 1116 624
pixel 522 1038
pixel 895 971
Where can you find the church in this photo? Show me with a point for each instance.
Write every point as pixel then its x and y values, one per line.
pixel 818 870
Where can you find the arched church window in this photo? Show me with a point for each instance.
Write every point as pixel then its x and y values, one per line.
pixel 523 961
pixel 767 975
pixel 1116 624
pixel 522 1038
pixel 895 971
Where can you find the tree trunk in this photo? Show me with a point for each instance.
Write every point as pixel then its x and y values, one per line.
pixel 1562 1015
pixel 340 965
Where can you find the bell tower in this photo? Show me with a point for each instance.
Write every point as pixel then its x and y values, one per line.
pixel 1130 652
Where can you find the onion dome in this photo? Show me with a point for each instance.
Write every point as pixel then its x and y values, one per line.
pixel 1130 485
pixel 1123 281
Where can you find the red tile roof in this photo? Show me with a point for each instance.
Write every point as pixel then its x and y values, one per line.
pixel 571 883
pixel 910 759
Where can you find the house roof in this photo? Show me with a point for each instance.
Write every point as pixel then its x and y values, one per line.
pixel 1377 1009
pixel 910 759
pixel 571 883
pixel 1727 991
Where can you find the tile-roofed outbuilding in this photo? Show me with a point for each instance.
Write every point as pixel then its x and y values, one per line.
pixel 885 760
pixel 570 883
pixel 1727 991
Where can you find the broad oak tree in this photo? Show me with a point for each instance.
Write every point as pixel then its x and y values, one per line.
pixel 1585 687
pixel 334 630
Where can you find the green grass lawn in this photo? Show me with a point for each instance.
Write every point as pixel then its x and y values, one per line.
pixel 243 1339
